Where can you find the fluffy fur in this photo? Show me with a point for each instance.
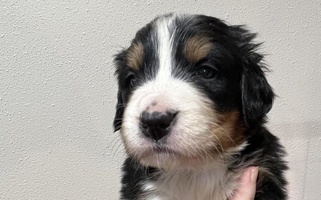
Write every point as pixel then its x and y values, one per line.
pixel 191 109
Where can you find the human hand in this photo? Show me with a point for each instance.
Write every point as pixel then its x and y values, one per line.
pixel 247 188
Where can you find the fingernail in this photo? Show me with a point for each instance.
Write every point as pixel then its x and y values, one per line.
pixel 254 173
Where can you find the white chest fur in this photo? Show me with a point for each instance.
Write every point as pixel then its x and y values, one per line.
pixel 214 184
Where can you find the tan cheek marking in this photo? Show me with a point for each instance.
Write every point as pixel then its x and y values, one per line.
pixel 135 55
pixel 197 47
pixel 229 131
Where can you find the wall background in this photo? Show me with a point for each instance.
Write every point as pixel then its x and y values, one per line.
pixel 57 90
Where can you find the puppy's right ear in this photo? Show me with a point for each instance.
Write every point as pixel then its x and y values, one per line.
pixel 119 112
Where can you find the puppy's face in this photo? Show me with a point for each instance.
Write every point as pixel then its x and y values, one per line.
pixel 189 87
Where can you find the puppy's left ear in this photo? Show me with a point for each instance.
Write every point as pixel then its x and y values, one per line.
pixel 257 94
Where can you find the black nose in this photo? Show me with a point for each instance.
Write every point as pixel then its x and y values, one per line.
pixel 155 125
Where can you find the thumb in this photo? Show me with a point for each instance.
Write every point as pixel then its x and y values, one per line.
pixel 247 185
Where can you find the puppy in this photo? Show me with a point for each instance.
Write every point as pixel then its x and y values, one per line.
pixel 191 109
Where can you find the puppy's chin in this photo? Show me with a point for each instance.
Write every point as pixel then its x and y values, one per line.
pixel 171 159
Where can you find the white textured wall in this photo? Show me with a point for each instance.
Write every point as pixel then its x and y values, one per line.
pixel 57 90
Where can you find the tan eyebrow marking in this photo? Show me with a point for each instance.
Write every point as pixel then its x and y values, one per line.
pixel 135 55
pixel 197 47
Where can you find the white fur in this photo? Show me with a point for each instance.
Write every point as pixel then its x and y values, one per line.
pixel 213 183
pixel 164 48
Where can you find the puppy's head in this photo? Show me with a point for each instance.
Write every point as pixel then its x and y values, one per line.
pixel 189 88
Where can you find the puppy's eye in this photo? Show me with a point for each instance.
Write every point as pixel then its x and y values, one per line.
pixel 132 81
pixel 206 72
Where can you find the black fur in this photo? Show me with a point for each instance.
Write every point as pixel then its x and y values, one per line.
pixel 240 85
pixel 265 151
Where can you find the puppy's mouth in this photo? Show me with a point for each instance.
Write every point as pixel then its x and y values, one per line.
pixel 163 156
pixel 162 149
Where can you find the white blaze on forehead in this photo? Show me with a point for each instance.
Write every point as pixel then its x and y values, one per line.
pixel 165 41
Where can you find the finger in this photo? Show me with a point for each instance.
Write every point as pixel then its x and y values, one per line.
pixel 247 185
